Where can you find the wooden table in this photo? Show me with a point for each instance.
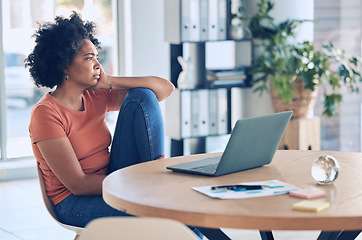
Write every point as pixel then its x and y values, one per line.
pixel 150 190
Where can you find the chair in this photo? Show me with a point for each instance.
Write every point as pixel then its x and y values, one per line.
pixel 136 228
pixel 50 207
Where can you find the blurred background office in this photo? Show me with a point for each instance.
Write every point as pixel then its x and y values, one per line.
pixel 132 36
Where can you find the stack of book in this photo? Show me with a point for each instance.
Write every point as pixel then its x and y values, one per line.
pixel 227 78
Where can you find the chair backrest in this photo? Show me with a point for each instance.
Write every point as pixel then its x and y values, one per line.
pixel 135 228
pixel 49 205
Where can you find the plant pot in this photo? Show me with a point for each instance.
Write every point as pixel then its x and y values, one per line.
pixel 301 104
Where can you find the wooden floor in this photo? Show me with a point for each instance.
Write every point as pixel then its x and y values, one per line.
pixel 23 216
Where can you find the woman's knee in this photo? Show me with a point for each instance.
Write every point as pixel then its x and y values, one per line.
pixel 144 100
pixel 142 94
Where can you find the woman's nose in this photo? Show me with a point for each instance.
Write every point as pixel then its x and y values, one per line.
pixel 97 65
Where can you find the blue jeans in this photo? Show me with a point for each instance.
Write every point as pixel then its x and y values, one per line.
pixel 139 133
pixel 138 137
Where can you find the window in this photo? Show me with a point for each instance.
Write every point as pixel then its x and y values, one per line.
pixel 340 22
pixel 19 20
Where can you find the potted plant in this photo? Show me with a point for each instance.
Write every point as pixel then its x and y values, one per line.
pixel 293 70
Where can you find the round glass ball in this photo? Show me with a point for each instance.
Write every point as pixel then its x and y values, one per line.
pixel 325 169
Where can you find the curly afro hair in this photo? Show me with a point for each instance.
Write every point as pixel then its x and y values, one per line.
pixel 56 46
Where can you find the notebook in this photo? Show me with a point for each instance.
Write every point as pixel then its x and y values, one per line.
pixel 253 143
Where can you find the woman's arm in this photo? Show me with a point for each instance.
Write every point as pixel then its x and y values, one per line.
pixel 160 86
pixel 61 158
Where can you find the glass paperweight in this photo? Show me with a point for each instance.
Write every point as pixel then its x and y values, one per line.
pixel 325 169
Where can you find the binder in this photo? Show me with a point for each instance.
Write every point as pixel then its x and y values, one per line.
pixel 195 113
pixel 203 112
pixel 213 112
pixel 185 114
pixel 222 110
pixel 199 113
pixel 195 17
pixel 185 20
pixel 213 20
pixel 204 20
pixel 222 19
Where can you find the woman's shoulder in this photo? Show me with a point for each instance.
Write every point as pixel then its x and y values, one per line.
pixel 45 104
pixel 46 100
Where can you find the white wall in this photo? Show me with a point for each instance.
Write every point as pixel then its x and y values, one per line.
pixel 146 51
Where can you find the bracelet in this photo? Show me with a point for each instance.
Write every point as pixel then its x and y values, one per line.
pixel 110 87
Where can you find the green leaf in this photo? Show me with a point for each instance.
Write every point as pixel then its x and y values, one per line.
pixel 331 103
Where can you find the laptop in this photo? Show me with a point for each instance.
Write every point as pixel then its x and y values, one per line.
pixel 253 143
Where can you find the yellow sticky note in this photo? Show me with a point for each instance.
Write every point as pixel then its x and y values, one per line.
pixel 310 205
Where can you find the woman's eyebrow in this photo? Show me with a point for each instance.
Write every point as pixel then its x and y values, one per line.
pixel 93 54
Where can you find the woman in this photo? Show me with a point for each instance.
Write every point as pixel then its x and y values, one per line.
pixel 69 135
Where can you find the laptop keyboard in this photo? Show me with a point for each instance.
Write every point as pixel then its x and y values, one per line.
pixel 211 168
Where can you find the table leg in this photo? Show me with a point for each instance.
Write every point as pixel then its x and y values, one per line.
pixel 328 235
pixel 346 235
pixel 342 235
pixel 266 235
pixel 213 233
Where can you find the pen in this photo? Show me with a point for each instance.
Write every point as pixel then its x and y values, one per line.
pixel 237 186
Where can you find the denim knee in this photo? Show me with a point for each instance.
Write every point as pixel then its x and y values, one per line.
pixel 142 94
pixel 139 133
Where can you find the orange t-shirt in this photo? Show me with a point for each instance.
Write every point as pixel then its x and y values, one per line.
pixel 86 130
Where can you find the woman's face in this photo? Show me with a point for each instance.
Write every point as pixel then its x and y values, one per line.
pixel 85 68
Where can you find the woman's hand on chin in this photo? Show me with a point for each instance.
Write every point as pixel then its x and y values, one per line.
pixel 102 83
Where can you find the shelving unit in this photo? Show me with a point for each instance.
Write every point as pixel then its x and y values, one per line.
pixel 204 109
